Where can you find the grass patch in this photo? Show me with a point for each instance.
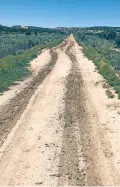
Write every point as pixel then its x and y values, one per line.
pixel 105 69
pixel 107 61
pixel 14 68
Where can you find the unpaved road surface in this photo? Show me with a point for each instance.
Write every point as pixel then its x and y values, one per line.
pixel 64 132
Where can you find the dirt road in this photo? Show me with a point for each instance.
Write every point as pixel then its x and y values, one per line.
pixel 63 136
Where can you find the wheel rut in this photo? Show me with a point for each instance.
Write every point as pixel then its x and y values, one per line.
pixel 82 159
pixel 11 112
pixel 72 167
pixel 58 141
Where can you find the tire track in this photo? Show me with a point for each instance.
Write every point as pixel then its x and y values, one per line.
pixel 82 159
pixel 72 167
pixel 46 152
pixel 32 156
pixel 11 112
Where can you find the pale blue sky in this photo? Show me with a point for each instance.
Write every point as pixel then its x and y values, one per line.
pixel 54 13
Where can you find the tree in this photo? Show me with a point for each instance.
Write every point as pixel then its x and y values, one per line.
pixel 111 35
pixel 36 33
pixel 28 32
pixel 118 41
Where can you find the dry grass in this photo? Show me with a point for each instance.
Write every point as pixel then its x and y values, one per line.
pixel 109 94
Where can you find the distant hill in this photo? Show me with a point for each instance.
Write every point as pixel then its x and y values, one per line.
pixel 24 28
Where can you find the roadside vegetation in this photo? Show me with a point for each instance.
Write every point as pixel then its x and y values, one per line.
pixel 100 47
pixel 18 46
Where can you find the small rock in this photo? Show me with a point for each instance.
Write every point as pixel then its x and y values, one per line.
pixel 31 128
pixel 46 145
pixel 38 183
pixel 59 166
pixel 55 175
pixel 39 137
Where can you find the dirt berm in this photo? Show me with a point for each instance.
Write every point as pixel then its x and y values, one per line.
pixel 11 112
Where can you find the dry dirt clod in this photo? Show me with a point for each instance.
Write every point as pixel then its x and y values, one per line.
pixel 39 137
pixel 38 183
pixel 55 175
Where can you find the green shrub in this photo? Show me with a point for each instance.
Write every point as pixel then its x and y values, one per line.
pixel 105 60
pixel 14 68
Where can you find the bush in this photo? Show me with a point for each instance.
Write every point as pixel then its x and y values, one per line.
pixel 14 68
pixel 105 68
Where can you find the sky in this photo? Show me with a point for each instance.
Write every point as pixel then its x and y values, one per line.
pixel 57 13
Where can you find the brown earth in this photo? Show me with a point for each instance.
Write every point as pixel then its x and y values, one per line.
pixel 65 129
pixel 11 112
